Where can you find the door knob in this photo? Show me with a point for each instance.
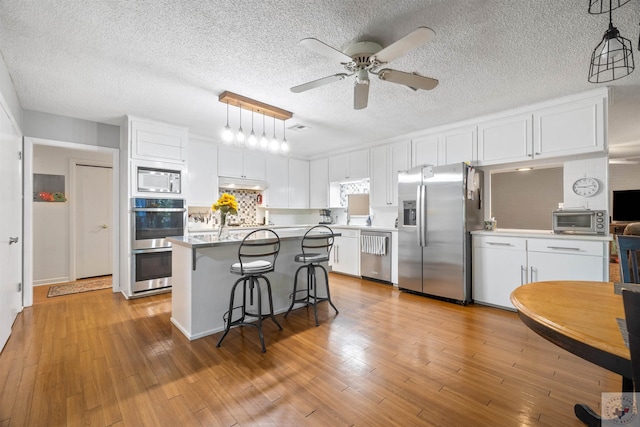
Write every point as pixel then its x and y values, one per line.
pixel 105 226
pixel 13 240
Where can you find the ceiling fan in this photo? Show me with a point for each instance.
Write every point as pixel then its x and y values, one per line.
pixel 364 58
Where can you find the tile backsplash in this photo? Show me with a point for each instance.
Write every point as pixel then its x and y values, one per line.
pixel 247 209
pixel 358 187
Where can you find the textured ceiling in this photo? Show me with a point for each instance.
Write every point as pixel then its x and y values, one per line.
pixel 169 61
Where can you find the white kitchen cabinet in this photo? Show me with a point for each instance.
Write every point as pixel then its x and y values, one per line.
pixel 202 172
pixel 240 163
pixel 425 150
pixel 500 264
pixel 277 176
pixel 562 259
pixel 458 145
pixel 158 141
pixel 508 139
pixel 319 183
pixel 345 255
pixel 386 161
pixel 571 128
pixel 350 166
pixel 298 183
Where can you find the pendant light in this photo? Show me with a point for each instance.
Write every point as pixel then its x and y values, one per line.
pixel 264 142
pixel 227 135
pixel 612 59
pixel 240 134
pixel 284 147
pixel 597 7
pixel 274 145
pixel 252 141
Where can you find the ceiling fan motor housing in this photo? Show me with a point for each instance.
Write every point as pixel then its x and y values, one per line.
pixel 361 53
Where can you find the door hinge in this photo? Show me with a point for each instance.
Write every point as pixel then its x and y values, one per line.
pixel 19 155
pixel 19 287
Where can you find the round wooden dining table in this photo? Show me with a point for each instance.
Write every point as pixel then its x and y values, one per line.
pixel 580 317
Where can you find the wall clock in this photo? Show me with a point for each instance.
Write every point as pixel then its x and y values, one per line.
pixel 586 186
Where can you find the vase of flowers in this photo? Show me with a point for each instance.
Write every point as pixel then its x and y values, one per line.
pixel 226 204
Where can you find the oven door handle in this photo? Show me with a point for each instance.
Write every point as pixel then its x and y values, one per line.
pixel 151 250
pixel 159 210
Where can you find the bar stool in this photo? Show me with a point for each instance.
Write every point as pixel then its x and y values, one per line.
pixel 316 246
pixel 265 245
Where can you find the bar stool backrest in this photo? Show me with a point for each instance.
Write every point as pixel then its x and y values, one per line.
pixel 628 251
pixel 317 240
pixel 631 301
pixel 262 244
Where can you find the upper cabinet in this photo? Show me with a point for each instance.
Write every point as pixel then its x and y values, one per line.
pixel 239 163
pixel 386 161
pixel 555 129
pixel 202 172
pixel 158 141
pixel 425 150
pixel 298 183
pixel 505 140
pixel 349 166
pixel 571 128
pixel 458 145
pixel 288 181
pixel 319 184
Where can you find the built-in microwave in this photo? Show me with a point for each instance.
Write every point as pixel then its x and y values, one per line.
pixel 151 180
pixel 580 221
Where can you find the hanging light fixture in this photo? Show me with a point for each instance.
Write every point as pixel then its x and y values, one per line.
pixel 284 147
pixel 274 145
pixel 227 134
pixel 597 7
pixel 240 135
pixel 264 141
pixel 252 141
pixel 612 59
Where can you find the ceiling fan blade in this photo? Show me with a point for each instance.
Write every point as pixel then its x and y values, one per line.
pixel 409 42
pixel 317 83
pixel 414 81
pixel 360 95
pixel 317 46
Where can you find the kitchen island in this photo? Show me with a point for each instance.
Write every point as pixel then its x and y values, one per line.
pixel 201 283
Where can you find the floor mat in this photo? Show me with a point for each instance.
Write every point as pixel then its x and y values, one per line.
pixel 78 286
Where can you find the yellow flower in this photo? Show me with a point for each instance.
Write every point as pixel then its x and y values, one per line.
pixel 226 204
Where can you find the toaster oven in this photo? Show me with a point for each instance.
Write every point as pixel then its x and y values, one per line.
pixel 580 221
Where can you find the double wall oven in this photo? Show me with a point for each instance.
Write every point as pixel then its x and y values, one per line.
pixel 153 221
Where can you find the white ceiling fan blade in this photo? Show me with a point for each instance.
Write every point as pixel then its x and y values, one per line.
pixel 360 95
pixel 414 81
pixel 409 42
pixel 317 83
pixel 323 49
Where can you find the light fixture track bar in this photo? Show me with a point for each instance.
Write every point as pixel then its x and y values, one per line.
pixel 256 106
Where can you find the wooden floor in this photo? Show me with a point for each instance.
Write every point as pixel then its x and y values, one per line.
pixel 389 358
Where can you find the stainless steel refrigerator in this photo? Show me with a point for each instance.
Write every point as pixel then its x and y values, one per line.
pixel 437 208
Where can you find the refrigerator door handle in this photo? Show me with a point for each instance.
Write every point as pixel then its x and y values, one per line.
pixel 421 211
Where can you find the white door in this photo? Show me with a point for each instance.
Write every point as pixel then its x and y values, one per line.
pixel 10 226
pixel 93 225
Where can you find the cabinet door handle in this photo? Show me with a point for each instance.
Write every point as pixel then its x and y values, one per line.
pixel 531 274
pixel 523 271
pixel 563 248
pixel 499 244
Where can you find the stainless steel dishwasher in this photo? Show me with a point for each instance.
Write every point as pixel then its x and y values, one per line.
pixel 375 255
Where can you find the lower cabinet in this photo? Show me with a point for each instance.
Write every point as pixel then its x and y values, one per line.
pixel 345 256
pixel 501 264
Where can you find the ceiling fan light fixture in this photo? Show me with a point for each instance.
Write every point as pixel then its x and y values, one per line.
pixel 362 78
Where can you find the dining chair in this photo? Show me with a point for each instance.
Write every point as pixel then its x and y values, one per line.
pixel 631 301
pixel 628 250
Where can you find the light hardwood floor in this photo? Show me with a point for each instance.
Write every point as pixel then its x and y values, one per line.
pixel 389 358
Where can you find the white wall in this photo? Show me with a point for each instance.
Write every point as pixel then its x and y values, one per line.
pixel 60 128
pixel 51 228
pixel 596 167
pixel 9 96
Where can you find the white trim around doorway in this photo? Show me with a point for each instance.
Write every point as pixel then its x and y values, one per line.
pixel 29 143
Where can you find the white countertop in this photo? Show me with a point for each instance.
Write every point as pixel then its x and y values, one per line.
pixel 208 228
pixel 206 240
pixel 546 234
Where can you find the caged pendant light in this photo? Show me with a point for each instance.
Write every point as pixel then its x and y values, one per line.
pixel 597 7
pixel 612 59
